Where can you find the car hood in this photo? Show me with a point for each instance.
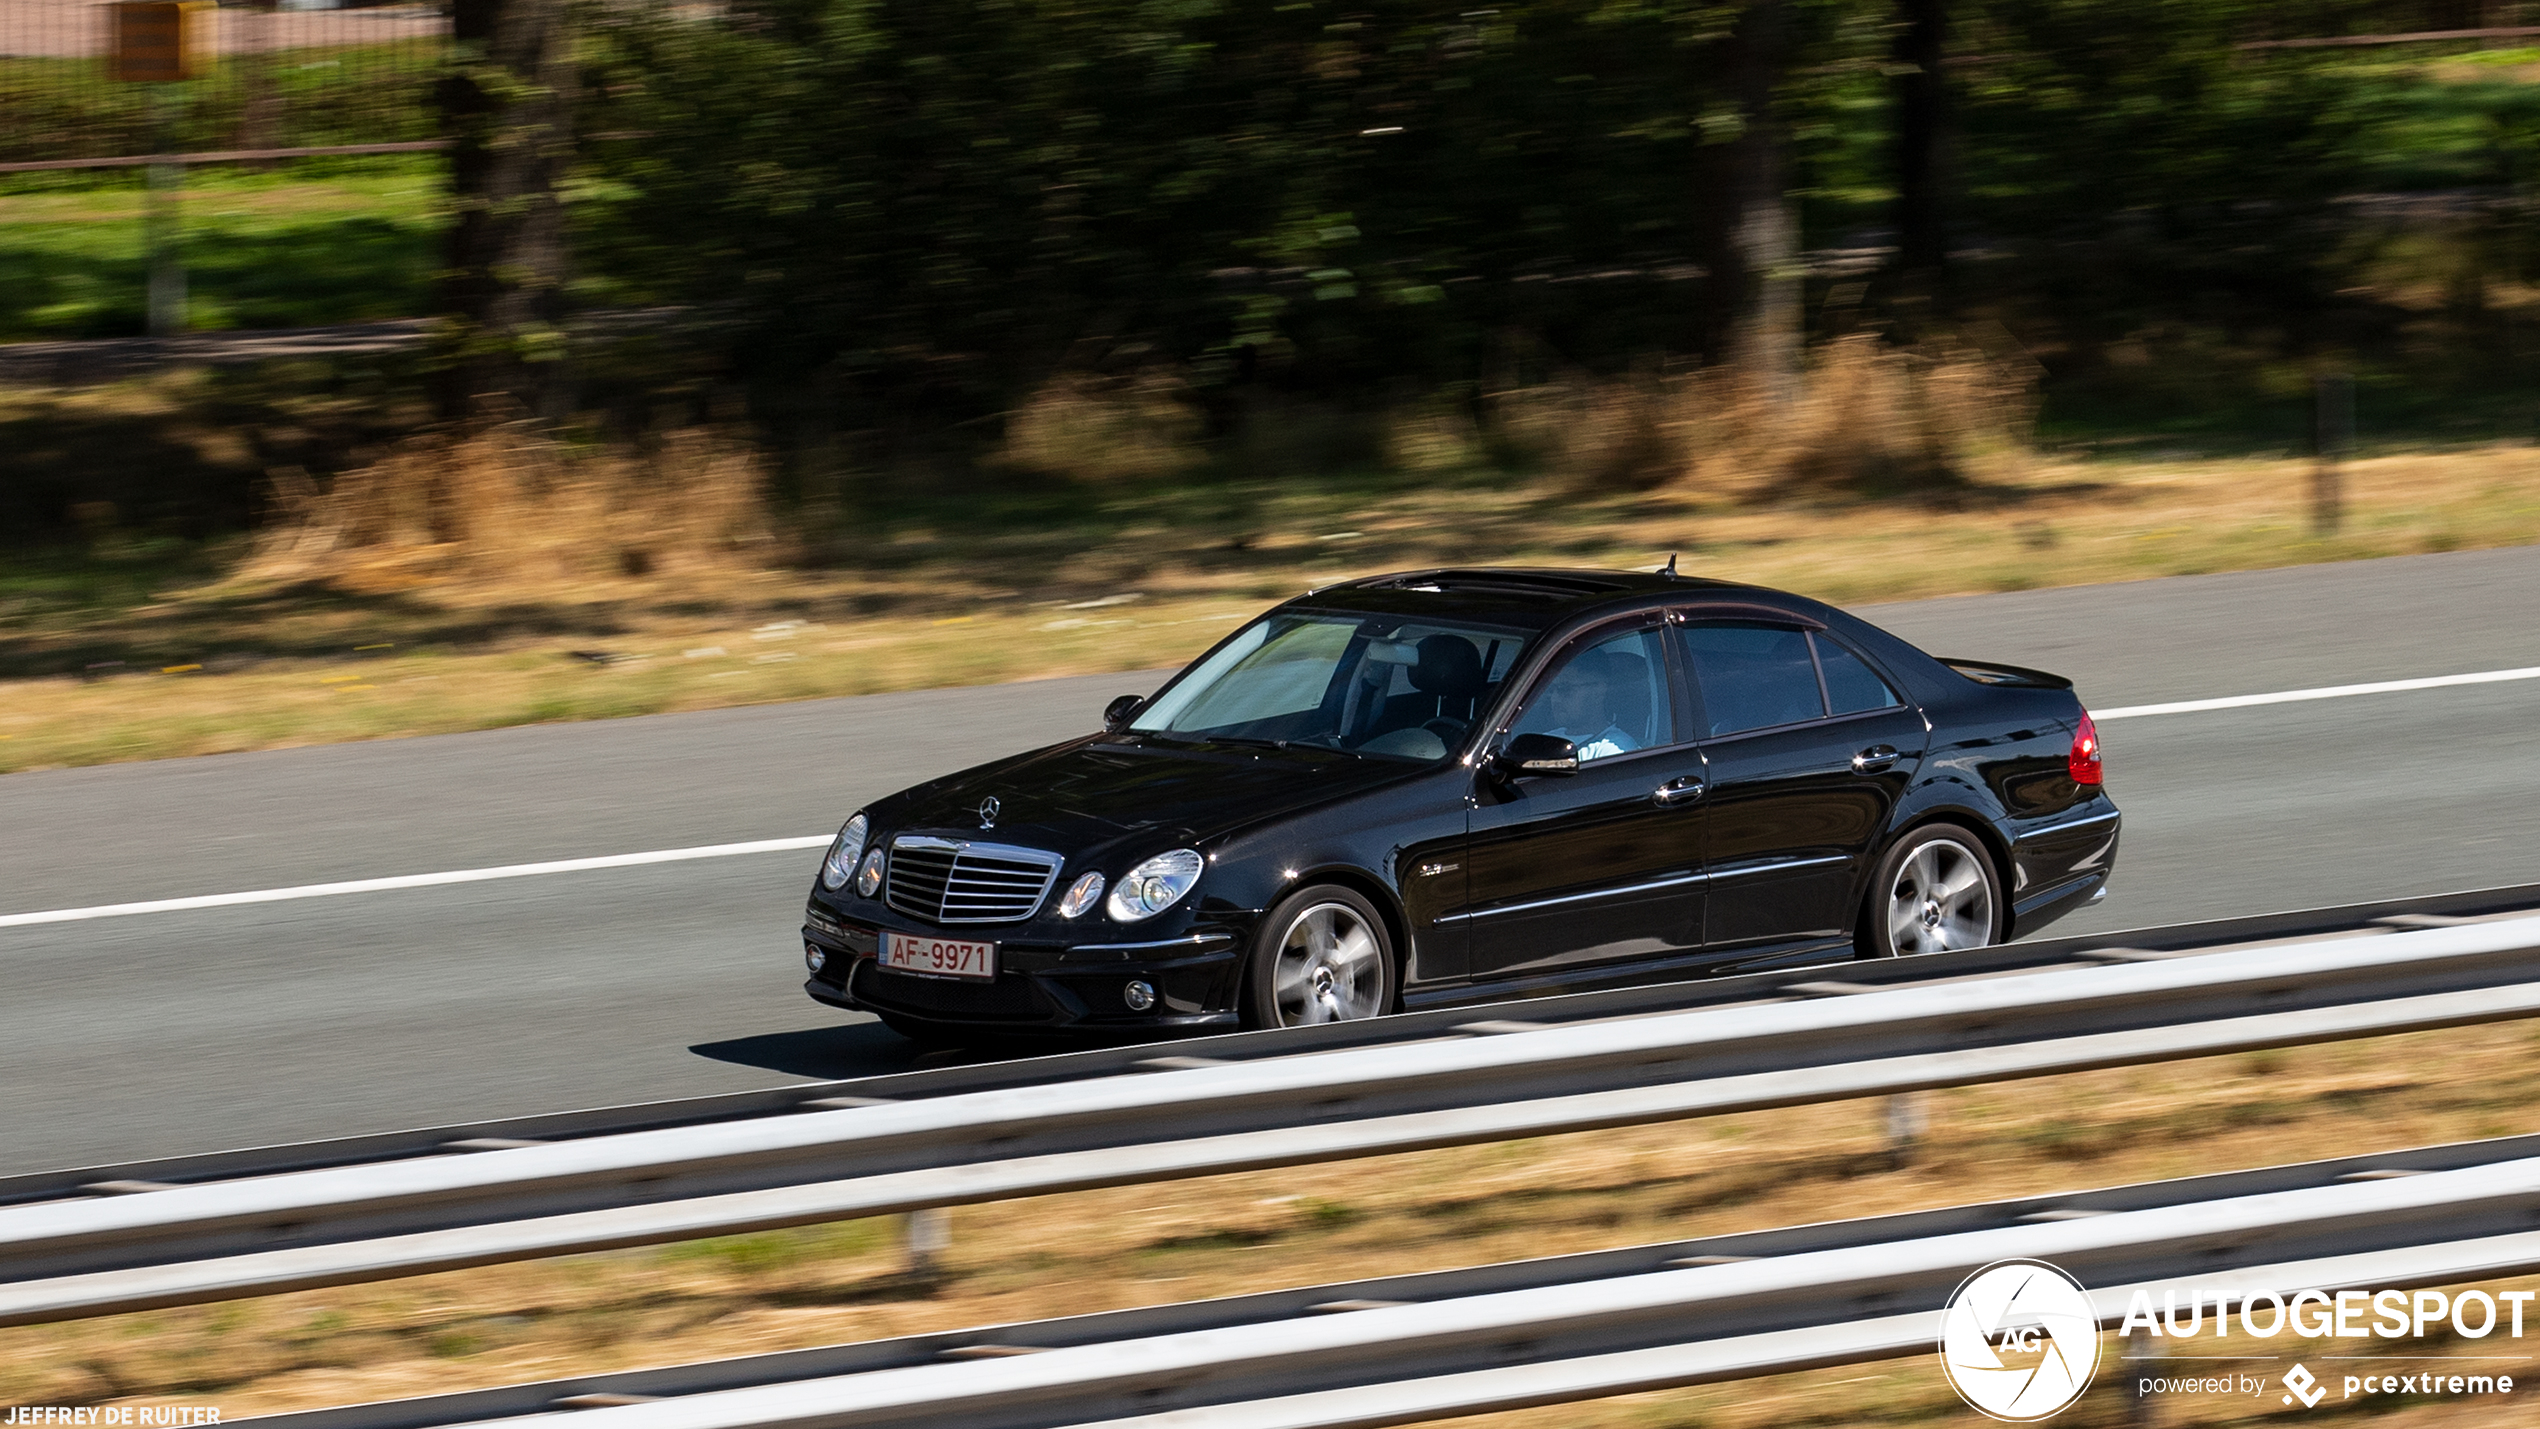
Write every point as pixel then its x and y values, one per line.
pixel 1078 797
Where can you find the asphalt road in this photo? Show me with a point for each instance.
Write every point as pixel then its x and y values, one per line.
pixel 199 1030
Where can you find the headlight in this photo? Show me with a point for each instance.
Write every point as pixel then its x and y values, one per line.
pixel 839 866
pixel 869 877
pixel 1152 886
pixel 1080 896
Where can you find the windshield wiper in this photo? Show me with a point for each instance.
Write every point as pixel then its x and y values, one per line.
pixel 1248 741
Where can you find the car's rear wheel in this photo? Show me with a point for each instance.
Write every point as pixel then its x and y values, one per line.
pixel 1935 890
pixel 1323 955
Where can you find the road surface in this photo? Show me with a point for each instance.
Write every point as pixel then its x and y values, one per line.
pixel 226 1026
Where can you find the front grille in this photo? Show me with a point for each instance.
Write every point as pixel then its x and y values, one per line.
pixel 944 881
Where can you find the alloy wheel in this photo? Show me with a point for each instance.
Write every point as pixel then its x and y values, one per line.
pixel 1942 898
pixel 1328 968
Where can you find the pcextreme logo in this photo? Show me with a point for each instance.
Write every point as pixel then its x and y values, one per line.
pixel 2019 1341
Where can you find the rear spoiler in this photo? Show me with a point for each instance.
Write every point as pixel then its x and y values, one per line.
pixel 1994 672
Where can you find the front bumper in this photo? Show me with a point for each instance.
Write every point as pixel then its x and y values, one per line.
pixel 1041 985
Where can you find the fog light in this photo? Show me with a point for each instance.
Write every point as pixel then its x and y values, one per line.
pixel 813 957
pixel 1139 995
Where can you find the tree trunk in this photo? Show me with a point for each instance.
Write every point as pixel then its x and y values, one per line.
pixel 1755 274
pixel 505 107
pixel 1921 241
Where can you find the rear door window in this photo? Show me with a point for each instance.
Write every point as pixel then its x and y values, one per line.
pixel 1752 676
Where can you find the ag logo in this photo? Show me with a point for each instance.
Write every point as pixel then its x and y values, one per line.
pixel 2019 1341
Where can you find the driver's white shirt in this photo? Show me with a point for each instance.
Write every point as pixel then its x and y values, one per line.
pixel 1610 740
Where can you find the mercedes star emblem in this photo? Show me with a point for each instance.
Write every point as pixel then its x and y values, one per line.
pixel 989 808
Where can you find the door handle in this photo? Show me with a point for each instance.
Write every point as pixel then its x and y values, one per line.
pixel 1678 791
pixel 1876 759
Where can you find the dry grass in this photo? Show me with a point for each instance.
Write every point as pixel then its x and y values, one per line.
pixel 1097 1250
pixel 507 508
pixel 1869 418
pixel 980 588
pixel 1100 431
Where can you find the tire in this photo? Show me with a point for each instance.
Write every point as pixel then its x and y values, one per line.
pixel 1936 889
pixel 1322 955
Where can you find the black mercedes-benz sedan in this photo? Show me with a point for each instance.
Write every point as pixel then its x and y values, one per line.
pixel 1465 786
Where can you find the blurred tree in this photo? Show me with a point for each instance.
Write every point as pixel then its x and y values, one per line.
pixel 1919 88
pixel 1756 277
pixel 505 110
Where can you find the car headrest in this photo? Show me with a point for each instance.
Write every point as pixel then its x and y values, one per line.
pixel 1627 692
pixel 1449 667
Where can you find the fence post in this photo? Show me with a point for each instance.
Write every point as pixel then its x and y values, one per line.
pixel 159 219
pixel 2332 437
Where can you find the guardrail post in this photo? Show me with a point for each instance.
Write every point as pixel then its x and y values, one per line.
pixel 1907 1118
pixel 929 1235
pixel 2139 1412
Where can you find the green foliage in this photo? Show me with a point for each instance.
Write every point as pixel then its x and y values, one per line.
pixel 958 199
pixel 905 219
pixel 336 94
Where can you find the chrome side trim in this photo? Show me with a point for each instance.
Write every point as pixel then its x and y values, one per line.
pixel 2107 818
pixel 1677 881
pixel 1778 865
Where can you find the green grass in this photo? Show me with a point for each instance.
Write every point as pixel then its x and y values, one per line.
pixel 309 243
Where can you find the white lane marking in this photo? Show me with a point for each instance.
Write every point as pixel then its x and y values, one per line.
pixel 2329 692
pixel 413 880
pixel 682 855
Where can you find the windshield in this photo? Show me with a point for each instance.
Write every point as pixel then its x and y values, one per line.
pixel 1378 685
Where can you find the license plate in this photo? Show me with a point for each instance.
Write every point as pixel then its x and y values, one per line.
pixel 939 957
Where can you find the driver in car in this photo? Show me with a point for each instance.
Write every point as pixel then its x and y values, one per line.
pixel 1579 706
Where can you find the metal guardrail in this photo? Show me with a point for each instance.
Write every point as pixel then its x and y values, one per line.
pixel 1736 989
pixel 1505 1079
pixel 1607 1322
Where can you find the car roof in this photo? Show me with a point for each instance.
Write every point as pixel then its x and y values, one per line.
pixel 1528 597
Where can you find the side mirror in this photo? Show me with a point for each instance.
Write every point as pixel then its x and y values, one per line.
pixel 1119 711
pixel 1530 754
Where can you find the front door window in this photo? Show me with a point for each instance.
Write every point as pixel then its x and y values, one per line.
pixel 1610 699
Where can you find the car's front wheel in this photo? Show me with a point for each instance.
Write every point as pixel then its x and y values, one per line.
pixel 1323 955
pixel 1935 890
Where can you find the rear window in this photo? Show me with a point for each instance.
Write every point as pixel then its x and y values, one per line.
pixel 1851 685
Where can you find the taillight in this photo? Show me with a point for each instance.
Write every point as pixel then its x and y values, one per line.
pixel 2084 760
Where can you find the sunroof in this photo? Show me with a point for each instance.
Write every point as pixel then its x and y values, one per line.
pixel 1538 583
